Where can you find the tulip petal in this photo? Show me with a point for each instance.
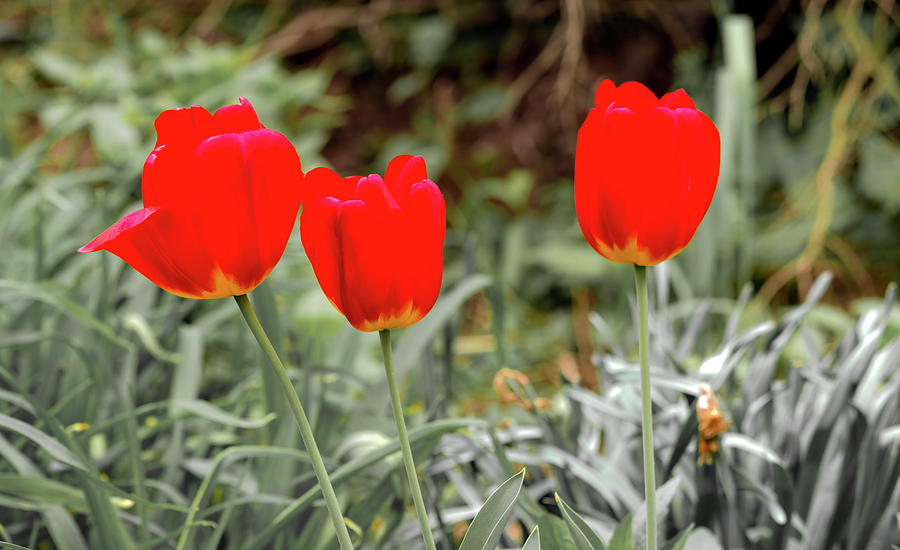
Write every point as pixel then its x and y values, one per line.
pixel 699 140
pixel 645 173
pixel 127 222
pixel 605 94
pixel 319 233
pixel 244 199
pixel 167 169
pixel 161 246
pixel 618 161
pixel 402 173
pixel 235 118
pixel 380 268
pixel 588 177
pixel 677 100
pixel 395 168
pixel 378 256
pixel 663 179
pixel 635 96
pixel 183 127
pixel 369 250
pixel 374 192
pixel 323 182
pixel 426 224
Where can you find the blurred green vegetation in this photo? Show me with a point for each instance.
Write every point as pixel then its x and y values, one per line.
pixel 806 96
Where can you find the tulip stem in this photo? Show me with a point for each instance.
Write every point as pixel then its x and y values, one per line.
pixel 640 280
pixel 408 463
pixel 306 432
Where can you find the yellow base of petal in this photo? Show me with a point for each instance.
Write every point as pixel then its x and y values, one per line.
pixel 631 254
pixel 222 287
pixel 402 319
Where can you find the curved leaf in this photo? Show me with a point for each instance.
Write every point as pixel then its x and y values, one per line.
pixel 56 449
pixel 212 413
pixel 621 537
pixel 487 527
pixel 585 538
pixel 534 540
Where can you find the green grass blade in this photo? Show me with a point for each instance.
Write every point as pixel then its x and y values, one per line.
pixel 347 471
pixel 53 447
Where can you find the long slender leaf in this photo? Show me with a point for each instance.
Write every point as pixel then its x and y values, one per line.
pixel 621 537
pixel 486 529
pixel 533 542
pixel 53 447
pixel 585 538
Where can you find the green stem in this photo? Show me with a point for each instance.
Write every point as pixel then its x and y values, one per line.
pixel 640 280
pixel 408 462
pixel 306 433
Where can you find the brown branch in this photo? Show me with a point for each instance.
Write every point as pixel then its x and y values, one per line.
pixel 839 145
pixel 315 27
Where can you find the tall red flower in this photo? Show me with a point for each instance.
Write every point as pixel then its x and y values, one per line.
pixel 645 173
pixel 376 245
pixel 221 194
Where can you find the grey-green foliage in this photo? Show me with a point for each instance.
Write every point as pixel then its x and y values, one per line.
pixel 99 403
pixel 812 457
pixel 149 393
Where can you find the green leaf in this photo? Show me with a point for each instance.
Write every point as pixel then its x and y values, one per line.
pixel 46 293
pixel 59 69
pixel 484 105
pixel 45 441
pixel 410 347
pixel 769 497
pixel 678 541
pixel 555 534
pixel 351 470
pixel 138 324
pixel 215 414
pixel 702 539
pixel 534 540
pixel 879 164
pixel 114 139
pixel 42 491
pixel 428 40
pixel 490 521
pixel 621 537
pixel 65 533
pixel 568 259
pixel 744 443
pixel 585 538
pixel 665 493
pixel 222 459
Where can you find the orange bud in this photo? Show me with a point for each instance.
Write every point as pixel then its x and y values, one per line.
pixel 712 423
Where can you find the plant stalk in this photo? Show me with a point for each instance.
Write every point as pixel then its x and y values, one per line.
pixel 640 280
pixel 306 432
pixel 408 463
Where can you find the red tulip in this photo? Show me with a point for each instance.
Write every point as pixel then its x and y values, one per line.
pixel 221 195
pixel 376 245
pixel 645 173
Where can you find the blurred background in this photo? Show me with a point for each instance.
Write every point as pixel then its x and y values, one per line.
pixel 805 93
